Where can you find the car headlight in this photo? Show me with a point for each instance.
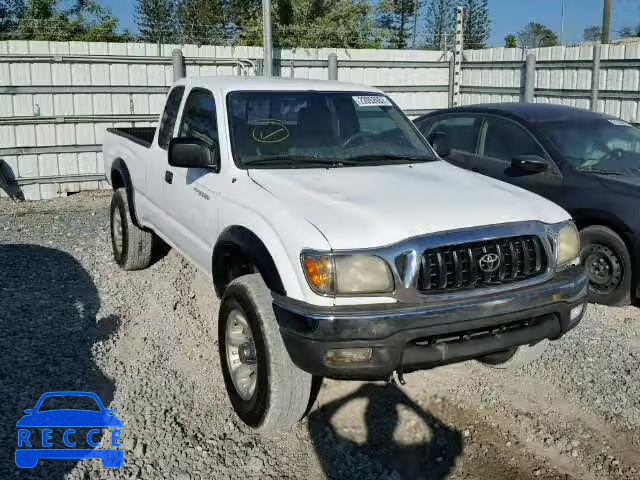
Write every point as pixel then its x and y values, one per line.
pixel 330 274
pixel 568 245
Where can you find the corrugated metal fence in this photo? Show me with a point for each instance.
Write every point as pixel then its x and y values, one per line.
pixel 57 98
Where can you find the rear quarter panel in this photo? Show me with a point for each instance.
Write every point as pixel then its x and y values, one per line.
pixel 136 158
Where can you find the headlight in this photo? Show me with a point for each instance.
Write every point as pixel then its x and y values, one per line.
pixel 568 244
pixel 347 274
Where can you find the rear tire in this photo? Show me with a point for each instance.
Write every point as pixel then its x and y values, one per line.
pixel 281 391
pixel 608 264
pixel 132 247
pixel 516 357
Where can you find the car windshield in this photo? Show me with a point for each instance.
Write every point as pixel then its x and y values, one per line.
pixel 293 129
pixel 601 146
pixel 69 402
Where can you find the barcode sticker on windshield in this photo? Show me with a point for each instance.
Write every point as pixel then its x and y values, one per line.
pixel 371 101
pixel 619 123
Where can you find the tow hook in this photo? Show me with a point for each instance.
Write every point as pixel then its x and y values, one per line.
pixel 397 378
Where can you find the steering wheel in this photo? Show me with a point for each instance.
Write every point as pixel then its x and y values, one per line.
pixel 354 138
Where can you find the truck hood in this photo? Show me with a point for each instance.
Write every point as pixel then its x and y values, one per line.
pixel 361 207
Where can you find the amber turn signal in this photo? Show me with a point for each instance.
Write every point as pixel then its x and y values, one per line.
pixel 318 269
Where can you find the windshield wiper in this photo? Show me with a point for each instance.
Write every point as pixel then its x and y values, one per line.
pixel 600 171
pixel 388 158
pixel 293 160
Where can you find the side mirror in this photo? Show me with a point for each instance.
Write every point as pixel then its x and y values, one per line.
pixel 440 143
pixel 530 163
pixel 109 410
pixel 194 153
pixel 29 411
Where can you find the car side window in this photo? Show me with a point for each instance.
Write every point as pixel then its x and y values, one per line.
pixel 505 140
pixel 169 116
pixel 462 131
pixel 199 117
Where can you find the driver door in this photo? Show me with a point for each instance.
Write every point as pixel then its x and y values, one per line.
pixel 194 192
pixel 501 141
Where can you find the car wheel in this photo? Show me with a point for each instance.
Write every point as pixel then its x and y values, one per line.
pixel 132 246
pixel 515 357
pixel 608 264
pixel 267 391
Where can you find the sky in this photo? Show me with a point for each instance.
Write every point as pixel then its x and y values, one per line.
pixel 508 16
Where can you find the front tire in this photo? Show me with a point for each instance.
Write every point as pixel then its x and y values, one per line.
pixel 608 264
pixel 250 345
pixel 516 357
pixel 132 246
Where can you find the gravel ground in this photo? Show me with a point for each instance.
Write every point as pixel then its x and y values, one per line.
pixel 145 343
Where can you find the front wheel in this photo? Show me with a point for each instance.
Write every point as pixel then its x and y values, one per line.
pixel 267 390
pixel 608 264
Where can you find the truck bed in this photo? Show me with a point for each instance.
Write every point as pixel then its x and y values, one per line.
pixel 140 135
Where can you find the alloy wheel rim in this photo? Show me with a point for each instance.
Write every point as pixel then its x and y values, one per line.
pixel 116 231
pixel 241 356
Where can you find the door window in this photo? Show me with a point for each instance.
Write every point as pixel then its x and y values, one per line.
pixel 462 132
pixel 199 117
pixel 505 140
pixel 169 115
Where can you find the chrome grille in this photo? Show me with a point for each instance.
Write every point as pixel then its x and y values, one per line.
pixel 482 264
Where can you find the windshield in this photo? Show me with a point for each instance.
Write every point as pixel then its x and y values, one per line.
pixel 289 129
pixel 601 146
pixel 69 402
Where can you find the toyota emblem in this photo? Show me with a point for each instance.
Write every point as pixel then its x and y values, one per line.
pixel 489 262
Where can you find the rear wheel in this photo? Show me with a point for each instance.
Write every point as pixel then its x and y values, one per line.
pixel 267 390
pixel 608 264
pixel 515 357
pixel 132 247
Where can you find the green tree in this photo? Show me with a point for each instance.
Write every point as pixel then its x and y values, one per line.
pixel 156 20
pixel 510 41
pixel 10 13
pixel 398 17
pixel 440 21
pixel 629 32
pixel 316 24
pixel 592 33
pixel 535 35
pixel 476 25
pixel 84 20
pixel 202 21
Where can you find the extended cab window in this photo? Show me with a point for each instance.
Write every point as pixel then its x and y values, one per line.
pixel 199 117
pixel 462 131
pixel 169 116
pixel 505 140
pixel 284 129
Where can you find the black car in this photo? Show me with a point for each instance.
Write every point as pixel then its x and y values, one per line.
pixel 586 162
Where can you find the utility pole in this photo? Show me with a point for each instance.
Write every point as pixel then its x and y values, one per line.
pixel 415 21
pixel 606 21
pixel 267 46
pixel 562 25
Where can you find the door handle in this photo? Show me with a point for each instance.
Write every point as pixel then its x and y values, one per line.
pixel 168 176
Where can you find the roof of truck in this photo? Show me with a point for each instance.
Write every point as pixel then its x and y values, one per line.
pixel 237 83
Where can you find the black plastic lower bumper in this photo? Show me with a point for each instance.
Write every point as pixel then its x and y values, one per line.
pixel 418 337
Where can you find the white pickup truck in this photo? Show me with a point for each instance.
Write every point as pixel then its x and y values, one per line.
pixel 340 244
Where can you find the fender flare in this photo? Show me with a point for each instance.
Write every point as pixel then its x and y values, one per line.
pixel 120 167
pixel 244 240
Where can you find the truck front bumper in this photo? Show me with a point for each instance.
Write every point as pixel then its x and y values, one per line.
pixel 418 337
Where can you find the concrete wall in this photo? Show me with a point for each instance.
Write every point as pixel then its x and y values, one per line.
pixel 57 98
pixel 563 76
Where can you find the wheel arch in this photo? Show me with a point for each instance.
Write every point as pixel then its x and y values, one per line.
pixel 119 178
pixel 237 241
